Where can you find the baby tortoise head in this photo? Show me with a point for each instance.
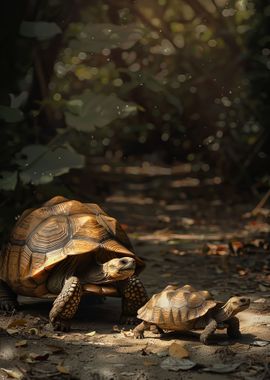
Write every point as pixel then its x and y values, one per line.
pixel 237 304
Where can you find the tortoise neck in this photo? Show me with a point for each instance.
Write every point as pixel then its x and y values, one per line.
pixel 224 313
pixel 96 274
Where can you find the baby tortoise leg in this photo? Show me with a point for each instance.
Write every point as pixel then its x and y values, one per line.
pixel 138 331
pixel 233 330
pixel 66 304
pixel 156 329
pixel 8 299
pixel 134 296
pixel 209 329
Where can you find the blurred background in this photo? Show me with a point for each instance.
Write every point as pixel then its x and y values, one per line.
pixel 126 101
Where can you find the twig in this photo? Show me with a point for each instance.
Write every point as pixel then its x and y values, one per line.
pixel 261 203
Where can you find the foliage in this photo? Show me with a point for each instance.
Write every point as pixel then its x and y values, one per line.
pixel 187 80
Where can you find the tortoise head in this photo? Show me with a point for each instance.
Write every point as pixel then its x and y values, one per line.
pixel 236 304
pixel 119 269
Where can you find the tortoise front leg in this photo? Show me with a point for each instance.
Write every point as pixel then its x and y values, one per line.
pixel 233 330
pixel 138 331
pixel 134 296
pixel 209 329
pixel 8 299
pixel 66 304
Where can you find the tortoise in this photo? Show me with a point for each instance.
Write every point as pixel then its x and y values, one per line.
pixel 185 308
pixel 65 249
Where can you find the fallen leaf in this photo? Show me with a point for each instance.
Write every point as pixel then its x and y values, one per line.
pixel 55 349
pixel 162 354
pixel 260 343
pixel 173 364
pixel 16 323
pixel 222 368
pixel 92 333
pixel 149 363
pixel 178 351
pixel 13 373
pixel 33 357
pixel 116 328
pixel 216 249
pixel 21 343
pixel 12 331
pixel 63 369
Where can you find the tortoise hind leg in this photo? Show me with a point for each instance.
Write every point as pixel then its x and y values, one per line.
pixel 134 296
pixel 66 304
pixel 138 331
pixel 8 299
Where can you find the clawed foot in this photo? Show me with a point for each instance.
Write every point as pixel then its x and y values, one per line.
pixel 138 334
pixel 204 339
pixel 61 325
pixel 128 320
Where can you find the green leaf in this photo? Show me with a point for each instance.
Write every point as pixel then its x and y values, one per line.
pixel 40 30
pixel 93 38
pixel 8 180
pixel 10 115
pixel 154 85
pixel 96 110
pixel 40 164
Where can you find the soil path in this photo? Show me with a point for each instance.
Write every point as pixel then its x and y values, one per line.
pixel 170 215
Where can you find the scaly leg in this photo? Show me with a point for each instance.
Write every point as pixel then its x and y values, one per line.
pixel 134 296
pixel 138 331
pixel 8 299
pixel 66 304
pixel 233 328
pixel 156 330
pixel 209 329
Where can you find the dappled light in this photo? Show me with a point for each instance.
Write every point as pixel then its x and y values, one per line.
pixel 135 190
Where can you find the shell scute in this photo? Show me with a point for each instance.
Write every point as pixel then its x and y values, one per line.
pixel 176 308
pixel 45 236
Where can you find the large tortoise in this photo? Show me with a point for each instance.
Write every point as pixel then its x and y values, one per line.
pixel 183 309
pixel 66 248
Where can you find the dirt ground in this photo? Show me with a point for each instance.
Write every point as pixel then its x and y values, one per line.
pixel 170 215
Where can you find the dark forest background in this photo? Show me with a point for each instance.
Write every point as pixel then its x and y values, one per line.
pixel 162 81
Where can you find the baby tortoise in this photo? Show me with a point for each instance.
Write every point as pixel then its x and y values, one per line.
pixel 183 309
pixel 64 249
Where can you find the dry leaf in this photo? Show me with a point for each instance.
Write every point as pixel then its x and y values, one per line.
pixel 216 249
pixel 16 323
pixel 178 351
pixel 12 331
pixel 222 368
pixel 21 343
pixel 260 343
pixel 63 369
pixel 92 333
pixel 149 363
pixel 33 357
pixel 13 373
pixel 173 364
pixel 55 349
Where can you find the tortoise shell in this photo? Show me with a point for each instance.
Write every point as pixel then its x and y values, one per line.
pixel 45 236
pixel 176 308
